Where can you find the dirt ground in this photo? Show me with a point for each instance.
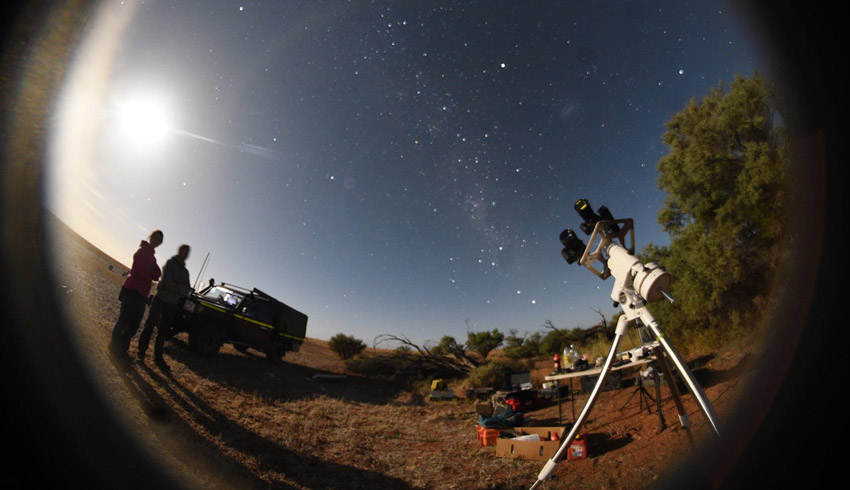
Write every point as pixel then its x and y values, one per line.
pixel 237 420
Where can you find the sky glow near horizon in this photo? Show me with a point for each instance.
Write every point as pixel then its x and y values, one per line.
pixel 386 167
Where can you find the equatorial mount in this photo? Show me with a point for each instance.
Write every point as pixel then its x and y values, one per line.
pixel 611 253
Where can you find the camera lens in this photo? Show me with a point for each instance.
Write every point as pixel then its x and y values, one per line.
pixel 573 246
pixel 584 210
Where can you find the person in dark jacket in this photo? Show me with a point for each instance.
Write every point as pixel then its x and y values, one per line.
pixel 173 286
pixel 133 296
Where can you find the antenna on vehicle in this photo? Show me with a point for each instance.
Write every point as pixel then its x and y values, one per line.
pixel 201 270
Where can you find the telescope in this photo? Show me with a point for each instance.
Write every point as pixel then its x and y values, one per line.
pixel 610 252
pixel 610 249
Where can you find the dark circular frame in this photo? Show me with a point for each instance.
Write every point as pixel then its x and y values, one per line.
pixel 56 427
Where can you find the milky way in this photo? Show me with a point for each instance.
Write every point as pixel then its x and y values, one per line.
pixel 402 167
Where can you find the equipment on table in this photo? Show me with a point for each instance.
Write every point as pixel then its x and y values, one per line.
pixel 635 285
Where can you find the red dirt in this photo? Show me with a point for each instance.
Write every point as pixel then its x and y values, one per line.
pixel 238 421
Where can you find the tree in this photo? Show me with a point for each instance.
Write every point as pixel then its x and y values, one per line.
pixel 525 347
pixel 484 342
pixel 725 204
pixel 555 340
pixel 448 346
pixel 346 346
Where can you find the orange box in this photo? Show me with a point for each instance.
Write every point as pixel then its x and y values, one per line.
pixel 487 437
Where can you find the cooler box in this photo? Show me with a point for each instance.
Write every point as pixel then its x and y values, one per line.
pixel 487 437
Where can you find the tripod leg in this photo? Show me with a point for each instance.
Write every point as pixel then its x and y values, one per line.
pixel 695 388
pixel 572 400
pixel 674 390
pixel 558 391
pixel 661 424
pixel 550 465
pixel 634 392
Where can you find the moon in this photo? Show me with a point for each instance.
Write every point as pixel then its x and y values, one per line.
pixel 144 120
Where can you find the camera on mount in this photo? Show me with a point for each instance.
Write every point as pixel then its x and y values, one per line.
pixel 590 218
pixel 573 246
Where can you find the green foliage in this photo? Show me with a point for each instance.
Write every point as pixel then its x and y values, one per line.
pixel 402 349
pixel 555 341
pixel 490 375
pixel 725 206
pixel 346 346
pixel 484 342
pixel 407 368
pixel 525 347
pixel 597 346
pixel 448 346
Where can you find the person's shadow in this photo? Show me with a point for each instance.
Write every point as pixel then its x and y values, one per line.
pixel 182 434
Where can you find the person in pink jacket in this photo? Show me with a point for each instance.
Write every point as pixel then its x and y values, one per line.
pixel 134 296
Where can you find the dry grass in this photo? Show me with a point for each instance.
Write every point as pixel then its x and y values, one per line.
pixel 239 421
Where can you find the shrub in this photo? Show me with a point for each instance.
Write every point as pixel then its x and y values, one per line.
pixel 484 342
pixel 403 367
pixel 490 375
pixel 346 346
pixel 525 347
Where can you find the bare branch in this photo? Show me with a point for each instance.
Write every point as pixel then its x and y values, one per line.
pixel 460 365
pixel 599 312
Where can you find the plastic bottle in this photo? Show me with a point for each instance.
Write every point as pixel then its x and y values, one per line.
pixel 557 361
pixel 528 437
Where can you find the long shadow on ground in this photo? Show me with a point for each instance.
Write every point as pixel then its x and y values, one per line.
pixel 279 381
pixel 710 377
pixel 269 456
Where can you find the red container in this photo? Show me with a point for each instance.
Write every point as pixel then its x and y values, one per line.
pixel 487 437
pixel 522 401
pixel 578 449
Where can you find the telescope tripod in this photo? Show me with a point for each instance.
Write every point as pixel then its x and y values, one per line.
pixel 670 351
pixel 643 395
pixel 635 284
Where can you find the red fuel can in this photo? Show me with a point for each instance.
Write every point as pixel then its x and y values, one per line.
pixel 578 449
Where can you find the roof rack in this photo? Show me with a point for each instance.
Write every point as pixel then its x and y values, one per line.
pixel 265 295
pixel 254 291
pixel 234 286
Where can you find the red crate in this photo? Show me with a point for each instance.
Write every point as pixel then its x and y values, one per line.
pixel 487 437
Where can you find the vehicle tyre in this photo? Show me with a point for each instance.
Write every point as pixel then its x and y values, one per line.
pixel 206 339
pixel 275 353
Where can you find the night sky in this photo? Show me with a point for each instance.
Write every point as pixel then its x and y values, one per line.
pixel 383 166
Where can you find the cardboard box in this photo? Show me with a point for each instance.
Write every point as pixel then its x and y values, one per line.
pixel 532 450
